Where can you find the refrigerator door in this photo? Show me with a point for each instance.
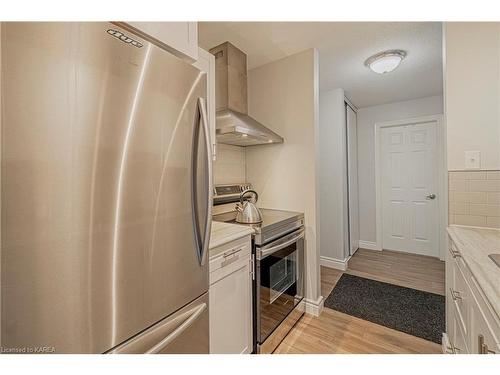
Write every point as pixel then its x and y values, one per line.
pixel 181 333
pixel 105 186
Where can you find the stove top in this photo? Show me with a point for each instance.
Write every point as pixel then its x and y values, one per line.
pixel 275 223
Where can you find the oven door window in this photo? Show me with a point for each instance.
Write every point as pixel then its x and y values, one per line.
pixel 282 276
pixel 280 289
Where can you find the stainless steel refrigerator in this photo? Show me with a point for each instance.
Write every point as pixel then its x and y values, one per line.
pixel 105 193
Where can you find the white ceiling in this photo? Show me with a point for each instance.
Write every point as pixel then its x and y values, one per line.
pixel 343 48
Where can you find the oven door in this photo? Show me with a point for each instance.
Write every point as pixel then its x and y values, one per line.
pixel 280 285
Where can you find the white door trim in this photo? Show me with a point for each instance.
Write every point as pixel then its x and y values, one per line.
pixel 441 183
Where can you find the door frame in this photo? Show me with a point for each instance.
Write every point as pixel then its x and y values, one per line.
pixel 350 189
pixel 441 182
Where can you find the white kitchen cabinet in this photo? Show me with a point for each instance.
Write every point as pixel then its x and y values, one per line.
pixel 484 330
pixel 457 337
pixel 206 63
pixel 471 323
pixel 230 296
pixel 179 38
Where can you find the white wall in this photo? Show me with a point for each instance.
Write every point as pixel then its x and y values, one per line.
pixel 283 96
pixel 332 176
pixel 367 118
pixel 472 92
pixel 229 165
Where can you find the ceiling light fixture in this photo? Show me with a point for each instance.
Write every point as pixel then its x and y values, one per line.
pixel 386 61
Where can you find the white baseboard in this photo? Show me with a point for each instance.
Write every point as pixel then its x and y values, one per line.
pixel 314 307
pixel 369 245
pixel 333 263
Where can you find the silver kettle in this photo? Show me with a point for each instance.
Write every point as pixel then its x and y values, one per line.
pixel 247 211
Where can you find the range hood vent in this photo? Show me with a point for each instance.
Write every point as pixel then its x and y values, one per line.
pixel 233 125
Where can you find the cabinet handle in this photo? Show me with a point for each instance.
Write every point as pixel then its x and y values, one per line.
pixel 482 347
pixel 229 253
pixel 455 295
pixel 455 253
pixel 230 257
pixel 450 349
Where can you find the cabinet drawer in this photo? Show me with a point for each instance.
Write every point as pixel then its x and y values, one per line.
pixel 485 330
pixel 456 257
pixel 232 252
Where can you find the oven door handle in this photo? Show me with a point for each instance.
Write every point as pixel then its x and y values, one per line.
pixel 261 254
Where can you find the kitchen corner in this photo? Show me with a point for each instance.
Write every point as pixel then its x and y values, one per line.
pixel 278 244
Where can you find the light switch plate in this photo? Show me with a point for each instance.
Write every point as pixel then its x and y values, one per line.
pixel 472 159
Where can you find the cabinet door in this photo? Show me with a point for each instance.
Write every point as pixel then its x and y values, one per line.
pixel 180 38
pixel 449 285
pixel 482 339
pixel 206 63
pixel 231 311
pixel 484 332
pixel 457 338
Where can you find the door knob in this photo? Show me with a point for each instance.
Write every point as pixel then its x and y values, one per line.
pixel 430 196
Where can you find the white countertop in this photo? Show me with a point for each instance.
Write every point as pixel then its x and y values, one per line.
pixel 223 233
pixel 475 244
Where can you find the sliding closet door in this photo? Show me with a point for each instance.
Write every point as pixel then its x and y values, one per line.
pixel 352 172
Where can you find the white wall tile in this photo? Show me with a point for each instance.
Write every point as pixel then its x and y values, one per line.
pixel 493 222
pixel 472 197
pixel 475 175
pixel 478 204
pixel 493 198
pixel 493 175
pixel 459 208
pixel 484 185
pixel 472 220
pixel 457 175
pixel 484 209
pixel 457 185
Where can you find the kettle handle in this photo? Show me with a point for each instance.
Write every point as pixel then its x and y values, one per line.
pixel 243 193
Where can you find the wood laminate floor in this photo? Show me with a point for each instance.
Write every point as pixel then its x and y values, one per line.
pixel 335 332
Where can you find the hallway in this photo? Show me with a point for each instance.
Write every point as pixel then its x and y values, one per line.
pixel 335 332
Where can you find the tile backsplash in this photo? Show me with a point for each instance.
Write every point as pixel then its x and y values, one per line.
pixel 474 198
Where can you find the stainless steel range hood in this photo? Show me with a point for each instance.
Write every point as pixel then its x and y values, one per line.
pixel 233 125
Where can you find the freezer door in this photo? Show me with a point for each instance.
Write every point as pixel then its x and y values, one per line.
pixel 183 332
pixel 105 186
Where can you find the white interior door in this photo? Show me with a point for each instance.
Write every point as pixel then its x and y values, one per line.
pixel 409 183
pixel 352 173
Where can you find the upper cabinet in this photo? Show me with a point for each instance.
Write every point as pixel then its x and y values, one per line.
pixel 179 38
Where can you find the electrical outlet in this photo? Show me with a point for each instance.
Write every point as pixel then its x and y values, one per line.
pixel 472 159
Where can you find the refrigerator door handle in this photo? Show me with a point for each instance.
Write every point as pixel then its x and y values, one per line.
pixel 179 330
pixel 202 239
pixel 208 147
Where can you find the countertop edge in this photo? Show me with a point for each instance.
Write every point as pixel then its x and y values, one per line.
pixel 234 232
